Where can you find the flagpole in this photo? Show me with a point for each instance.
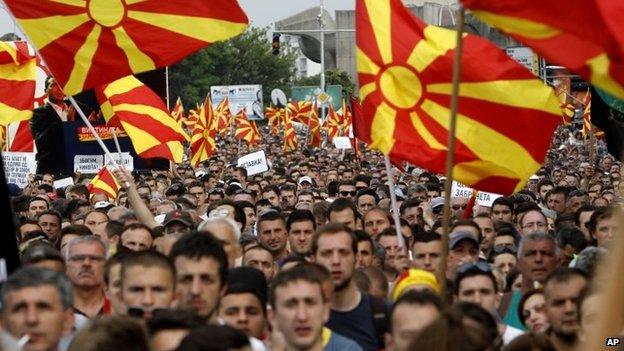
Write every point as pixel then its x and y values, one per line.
pixel 117 144
pixel 450 156
pixel 393 202
pixel 71 98
pixel 167 86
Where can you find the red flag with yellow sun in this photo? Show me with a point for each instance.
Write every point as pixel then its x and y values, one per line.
pixel 90 43
pixel 405 74
pixel 204 132
pixel 245 129
pixel 315 128
pixel 223 116
pixel 290 136
pixel 276 117
pixel 300 111
pixel 143 115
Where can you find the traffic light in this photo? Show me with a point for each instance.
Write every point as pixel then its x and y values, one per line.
pixel 276 44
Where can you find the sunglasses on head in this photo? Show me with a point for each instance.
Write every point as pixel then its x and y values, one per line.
pixel 498 249
pixel 481 266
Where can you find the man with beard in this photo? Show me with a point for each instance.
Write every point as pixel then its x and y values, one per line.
pixel 272 234
pixel 334 246
pixel 85 260
pixel 561 291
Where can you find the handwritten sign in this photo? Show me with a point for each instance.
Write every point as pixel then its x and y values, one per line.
pixel 254 163
pixel 88 164
pixel 17 166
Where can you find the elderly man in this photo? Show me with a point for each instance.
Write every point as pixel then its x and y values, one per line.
pixel 85 258
pixel 226 230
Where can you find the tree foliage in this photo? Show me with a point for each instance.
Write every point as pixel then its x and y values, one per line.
pixel 332 77
pixel 245 59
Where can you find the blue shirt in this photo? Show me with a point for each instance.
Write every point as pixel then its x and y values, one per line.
pixel 356 324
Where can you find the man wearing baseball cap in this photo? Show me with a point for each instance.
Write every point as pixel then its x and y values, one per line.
pixel 463 248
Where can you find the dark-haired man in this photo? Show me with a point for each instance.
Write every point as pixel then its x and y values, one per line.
pixel 201 272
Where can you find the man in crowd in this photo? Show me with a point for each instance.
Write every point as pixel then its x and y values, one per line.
pixel 335 246
pixel 201 272
pixel 36 308
pixel 86 256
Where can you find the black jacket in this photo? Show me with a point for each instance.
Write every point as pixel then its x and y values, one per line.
pixel 47 129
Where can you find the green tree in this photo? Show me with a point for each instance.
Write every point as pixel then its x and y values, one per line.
pixel 332 77
pixel 245 59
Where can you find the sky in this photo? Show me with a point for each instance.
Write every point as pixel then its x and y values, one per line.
pixel 261 12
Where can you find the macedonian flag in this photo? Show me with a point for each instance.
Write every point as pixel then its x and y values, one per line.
pixel 144 116
pixel 17 82
pixel 505 119
pixel 223 116
pixel 87 43
pixel 333 123
pixel 245 129
pixel 290 136
pixel 300 111
pixel 204 131
pixel 104 182
pixel 276 117
pixel 315 128
pixel 584 36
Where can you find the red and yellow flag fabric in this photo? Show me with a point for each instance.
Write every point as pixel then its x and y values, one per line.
pixel 143 115
pixel 567 113
pixel 224 116
pixel 104 182
pixel 178 111
pixel 18 71
pixel 586 116
pixel 315 128
pixel 584 36
pixel 405 74
pixel 345 117
pixel 245 129
pixel 290 137
pixel 89 43
pixel 204 132
pixel 300 111
pixel 276 117
pixel 332 123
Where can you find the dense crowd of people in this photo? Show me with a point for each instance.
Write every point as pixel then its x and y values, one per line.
pixel 305 256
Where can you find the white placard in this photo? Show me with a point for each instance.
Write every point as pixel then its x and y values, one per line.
pixel 254 163
pixel 524 56
pixel 61 183
pixel 342 143
pixel 88 164
pixel 17 166
pixel 126 160
pixel 486 199
pixel 460 190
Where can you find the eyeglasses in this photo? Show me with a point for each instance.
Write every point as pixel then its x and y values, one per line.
pixel 348 193
pixel 481 266
pixel 457 207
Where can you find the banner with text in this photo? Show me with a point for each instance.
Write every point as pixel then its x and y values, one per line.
pixel 17 167
pixel 248 97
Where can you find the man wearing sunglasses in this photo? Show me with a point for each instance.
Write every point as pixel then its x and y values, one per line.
pixel 347 189
pixel 476 283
